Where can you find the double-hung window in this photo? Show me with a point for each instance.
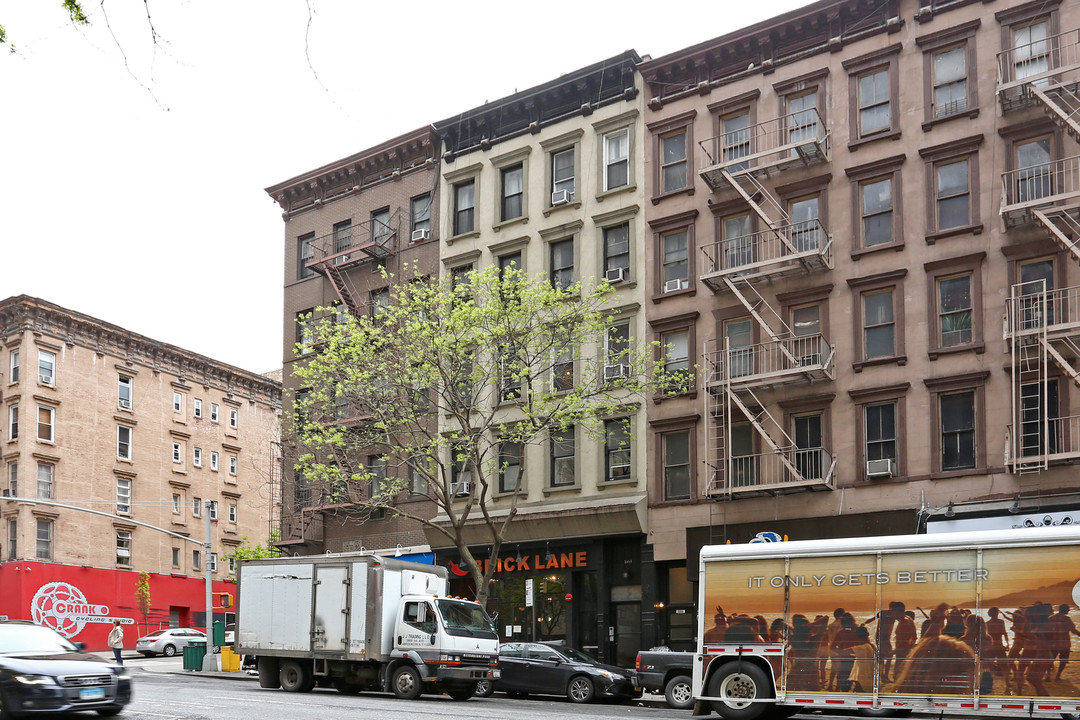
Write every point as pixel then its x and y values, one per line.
pixel 562 263
pixel 953 194
pixel 676 455
pixel 196 507
pixel 676 261
pixel 673 165
pixel 380 227
pixel 197 458
pixel 234 418
pixel 123 495
pixel 876 197
pixel 879 324
pixel 617 449
pixel 676 349
pixel 123 442
pixel 13 422
pixel 305 253
pixel 342 240
pixel 954 310
pixel 617 252
pixel 197 408
pixel 124 392
pixel 214 460
pixel 44 539
pixel 957 430
pixel 616 351
pixel 14 365
pixel 46 415
pixel 562 176
pixel 464 207
pixel 950 81
pixel 735 140
pixel 46 367
pixel 880 425
pixel 616 159
pixel 875 113
pixel 562 458
pixel 562 370
pixel 513 189
pixel 45 481
pixel 420 212
pixel 509 466
pixel 123 547
pixel 177 452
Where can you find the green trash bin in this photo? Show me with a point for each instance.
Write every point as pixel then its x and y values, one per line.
pixel 194 652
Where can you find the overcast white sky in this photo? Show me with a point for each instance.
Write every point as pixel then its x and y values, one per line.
pixel 131 181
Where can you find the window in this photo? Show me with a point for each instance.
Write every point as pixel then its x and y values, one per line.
pixel 123 392
pixel 461 471
pixel 512 183
pixel 805 228
pixel 13 479
pixel 873 90
pixel 234 418
pixel 13 536
pixel 123 547
pixel 380 227
pixel 123 442
pixel 176 557
pixel 879 319
pixel 617 450
pixel 177 402
pixel 562 263
pixel 464 207
pixel 1036 279
pixel 880 427
pixel 305 252
pixel 211 562
pixel 45 423
pixel 232 465
pixel 213 510
pixel 740 341
pixel 743 464
pixel 377 467
pixel 196 560
pixel 616 159
pixel 44 539
pixel 176 504
pixel 418 478
pixel 509 466
pixel 123 495
pixel 14 376
pixel 957 430
pixel 950 81
pixel 1034 173
pixel 342 240
pixel 13 422
pixel 616 350
pixel 213 412
pixel 511 375
pixel 420 212
pixel 1031 49
pixel 878 202
pixel 738 243
pixel 802 117
pixel 954 310
pixel 617 252
pixel 198 408
pixel 735 140
pixel 676 452
pixel 562 370
pixel 177 453
pixel 874 106
pixel 953 175
pixel 44 481
pixel 879 325
pixel 197 459
pixel 305 330
pixel 46 367
pixel 196 507
pixel 676 349
pixel 809 449
pixel 214 460
pixel 562 174
pixel 876 199
pixel 232 512
pixel 953 194
pixel 955 320
pixel 676 261
pixel 562 458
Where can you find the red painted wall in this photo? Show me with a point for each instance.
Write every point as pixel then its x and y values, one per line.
pixel 81 602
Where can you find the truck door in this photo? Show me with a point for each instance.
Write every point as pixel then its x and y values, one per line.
pixel 328 631
pixel 416 626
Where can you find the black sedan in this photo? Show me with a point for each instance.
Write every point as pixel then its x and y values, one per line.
pixel 538 669
pixel 42 672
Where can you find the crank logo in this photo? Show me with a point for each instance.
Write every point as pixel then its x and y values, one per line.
pixel 64 608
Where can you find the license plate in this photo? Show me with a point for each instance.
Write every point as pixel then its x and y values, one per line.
pixel 92 694
pixel 496 674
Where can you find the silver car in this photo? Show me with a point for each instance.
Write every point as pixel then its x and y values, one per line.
pixel 167 642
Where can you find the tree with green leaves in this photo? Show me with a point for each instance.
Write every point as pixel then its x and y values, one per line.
pixel 142 598
pixel 431 392
pixel 246 551
pixel 74 10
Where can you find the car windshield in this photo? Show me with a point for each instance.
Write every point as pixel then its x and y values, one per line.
pixel 576 655
pixel 465 618
pixel 16 639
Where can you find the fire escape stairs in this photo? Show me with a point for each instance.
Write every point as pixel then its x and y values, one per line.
pixel 755 419
pixel 1062 104
pixel 1063 225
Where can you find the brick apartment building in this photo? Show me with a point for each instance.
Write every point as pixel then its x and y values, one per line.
pixel 97 417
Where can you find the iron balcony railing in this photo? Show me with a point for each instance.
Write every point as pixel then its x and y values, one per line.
pixel 1037 60
pixel 796 138
pixel 775 361
pixel 1039 185
pixel 761 252
pixel 374 239
pixel 1031 311
pixel 773 471
pixel 1057 439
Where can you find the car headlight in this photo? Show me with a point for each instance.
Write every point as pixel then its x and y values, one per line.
pixel 34 679
pixel 605 673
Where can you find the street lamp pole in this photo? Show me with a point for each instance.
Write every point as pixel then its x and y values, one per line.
pixel 209 659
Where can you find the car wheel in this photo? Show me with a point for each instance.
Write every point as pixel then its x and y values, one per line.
pixel 168 650
pixel 461 693
pixel 406 683
pixel 740 683
pixel 295 678
pixel 679 692
pixel 580 689
pixel 484 688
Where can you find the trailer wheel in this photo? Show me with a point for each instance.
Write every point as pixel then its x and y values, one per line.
pixel 406 683
pixel 268 673
pixel 679 692
pixel 740 683
pixel 295 678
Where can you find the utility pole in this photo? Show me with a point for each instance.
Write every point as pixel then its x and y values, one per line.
pixel 210 661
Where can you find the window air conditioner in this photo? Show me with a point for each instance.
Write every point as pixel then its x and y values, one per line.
pixel 418 235
pixel 125 404
pixel 674 285
pixel 45 379
pixel 462 488
pixel 880 468
pixel 615 275
pixel 614 372
pixel 560 197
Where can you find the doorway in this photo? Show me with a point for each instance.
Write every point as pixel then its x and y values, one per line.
pixel 627 633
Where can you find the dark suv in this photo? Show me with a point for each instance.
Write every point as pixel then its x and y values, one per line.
pixel 42 672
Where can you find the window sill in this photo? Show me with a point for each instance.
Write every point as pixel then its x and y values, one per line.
pixel 631 481
pixel 127 461
pixel 575 204
pixel 663 397
pixel 575 488
pixel 900 360
pixel 884 135
pixel 971 114
pixel 601 196
pixel 179 471
pixel 463 236
pixel 978 348
pixel 933 237
pixel 859 253
pixel 688 190
pixel 690 290
pixel 965 472
pixel 520 220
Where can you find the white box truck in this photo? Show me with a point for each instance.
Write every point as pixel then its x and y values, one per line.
pixel 972 623
pixel 361 622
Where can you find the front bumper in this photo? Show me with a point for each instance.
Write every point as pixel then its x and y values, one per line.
pixel 619 690
pixel 38 699
pixel 467 673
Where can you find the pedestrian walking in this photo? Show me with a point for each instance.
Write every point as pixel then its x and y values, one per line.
pixel 116 641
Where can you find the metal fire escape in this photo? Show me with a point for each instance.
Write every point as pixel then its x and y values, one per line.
pixel 349 247
pixel 1042 323
pixel 738 162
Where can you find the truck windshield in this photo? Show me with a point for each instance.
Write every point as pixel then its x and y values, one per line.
pixel 465 618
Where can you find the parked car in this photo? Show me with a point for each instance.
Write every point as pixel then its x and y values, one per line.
pixel 664 671
pixel 539 669
pixel 43 672
pixel 167 642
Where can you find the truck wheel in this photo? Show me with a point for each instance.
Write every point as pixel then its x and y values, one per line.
pixel 580 689
pixel 268 673
pixel 484 688
pixel 295 678
pixel 739 683
pixel 461 693
pixel 679 692
pixel 406 683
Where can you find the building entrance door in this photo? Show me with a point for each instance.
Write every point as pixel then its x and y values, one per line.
pixel 627 633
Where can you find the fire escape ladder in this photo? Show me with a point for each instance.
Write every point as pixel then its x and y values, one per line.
pixel 1063 225
pixel 1062 104
pixel 1030 350
pixel 754 307
pixel 755 419
pixel 341 286
pixel 755 194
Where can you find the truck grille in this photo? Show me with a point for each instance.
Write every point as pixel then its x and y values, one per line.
pixel 474 659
